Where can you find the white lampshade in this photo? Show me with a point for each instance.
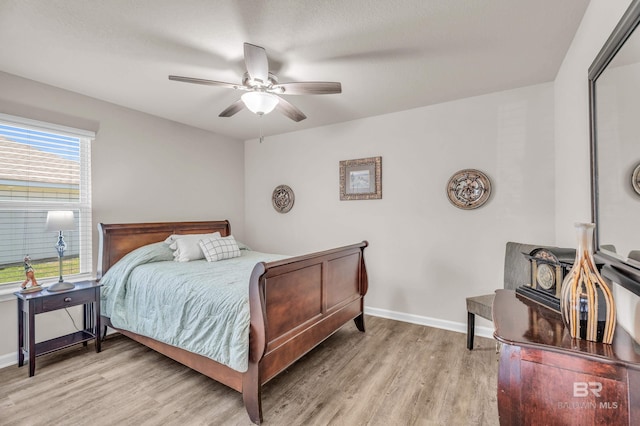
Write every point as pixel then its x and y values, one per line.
pixel 260 102
pixel 60 221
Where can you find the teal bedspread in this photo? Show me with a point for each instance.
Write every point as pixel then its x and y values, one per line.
pixel 199 306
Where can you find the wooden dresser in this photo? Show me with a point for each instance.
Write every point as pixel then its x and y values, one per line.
pixel 547 378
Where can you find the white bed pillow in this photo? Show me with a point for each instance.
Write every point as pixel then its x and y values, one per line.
pixel 215 249
pixel 173 237
pixel 186 248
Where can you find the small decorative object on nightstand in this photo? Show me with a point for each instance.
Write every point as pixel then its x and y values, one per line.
pixel 85 293
pixel 30 284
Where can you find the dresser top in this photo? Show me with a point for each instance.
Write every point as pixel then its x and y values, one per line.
pixel 521 322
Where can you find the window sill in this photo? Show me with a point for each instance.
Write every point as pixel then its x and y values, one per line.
pixel 7 290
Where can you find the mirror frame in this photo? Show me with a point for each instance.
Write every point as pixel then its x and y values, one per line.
pixel 615 269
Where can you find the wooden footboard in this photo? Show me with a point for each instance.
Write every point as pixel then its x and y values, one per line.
pixel 295 303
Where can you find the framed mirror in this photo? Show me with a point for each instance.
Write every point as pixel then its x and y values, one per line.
pixel 614 108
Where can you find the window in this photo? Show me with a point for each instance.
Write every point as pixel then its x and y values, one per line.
pixel 43 167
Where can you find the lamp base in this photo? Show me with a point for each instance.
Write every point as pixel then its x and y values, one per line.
pixel 60 286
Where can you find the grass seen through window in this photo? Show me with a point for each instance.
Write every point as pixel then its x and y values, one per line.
pixel 43 270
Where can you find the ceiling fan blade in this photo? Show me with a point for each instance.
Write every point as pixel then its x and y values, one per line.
pixel 235 107
pixel 255 58
pixel 289 110
pixel 202 81
pixel 308 88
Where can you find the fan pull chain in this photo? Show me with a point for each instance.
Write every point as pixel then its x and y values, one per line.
pixel 260 120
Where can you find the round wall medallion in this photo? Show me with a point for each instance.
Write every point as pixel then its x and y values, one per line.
pixel 635 179
pixel 468 189
pixel 282 198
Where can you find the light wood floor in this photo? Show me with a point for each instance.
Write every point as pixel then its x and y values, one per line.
pixel 394 374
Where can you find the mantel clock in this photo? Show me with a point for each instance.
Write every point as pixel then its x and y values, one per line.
pixel 549 266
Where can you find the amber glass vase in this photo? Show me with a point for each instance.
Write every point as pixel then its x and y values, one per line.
pixel 587 305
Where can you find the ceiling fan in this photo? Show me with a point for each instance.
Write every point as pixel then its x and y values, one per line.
pixel 262 87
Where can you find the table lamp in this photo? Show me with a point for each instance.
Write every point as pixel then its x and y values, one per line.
pixel 60 221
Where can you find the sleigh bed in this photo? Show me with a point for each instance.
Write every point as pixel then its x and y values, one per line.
pixel 294 303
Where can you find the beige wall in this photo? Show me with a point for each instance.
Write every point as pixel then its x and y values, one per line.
pixel 144 168
pixel 425 256
pixel 573 195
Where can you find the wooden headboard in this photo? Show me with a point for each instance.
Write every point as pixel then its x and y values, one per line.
pixel 116 240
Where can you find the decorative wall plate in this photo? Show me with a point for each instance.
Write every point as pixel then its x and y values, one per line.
pixel 635 179
pixel 283 198
pixel 468 189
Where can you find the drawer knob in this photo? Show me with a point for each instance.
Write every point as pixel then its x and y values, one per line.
pixel 67 299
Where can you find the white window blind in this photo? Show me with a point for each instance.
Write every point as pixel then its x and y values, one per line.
pixel 43 167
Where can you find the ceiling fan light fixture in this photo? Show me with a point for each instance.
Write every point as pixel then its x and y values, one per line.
pixel 260 102
pixel 262 87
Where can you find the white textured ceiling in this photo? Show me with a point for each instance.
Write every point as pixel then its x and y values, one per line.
pixel 389 55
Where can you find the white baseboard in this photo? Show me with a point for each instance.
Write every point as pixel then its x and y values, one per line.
pixel 428 321
pixel 12 358
pixel 8 360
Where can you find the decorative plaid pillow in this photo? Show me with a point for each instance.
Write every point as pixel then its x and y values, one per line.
pixel 215 249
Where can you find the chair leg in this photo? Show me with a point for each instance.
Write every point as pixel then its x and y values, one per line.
pixel 471 324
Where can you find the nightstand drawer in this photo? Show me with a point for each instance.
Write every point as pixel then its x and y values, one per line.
pixel 72 298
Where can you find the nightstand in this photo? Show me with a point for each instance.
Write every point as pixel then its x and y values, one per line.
pixel 85 293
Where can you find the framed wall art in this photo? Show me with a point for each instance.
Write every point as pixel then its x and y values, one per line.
pixel 361 179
